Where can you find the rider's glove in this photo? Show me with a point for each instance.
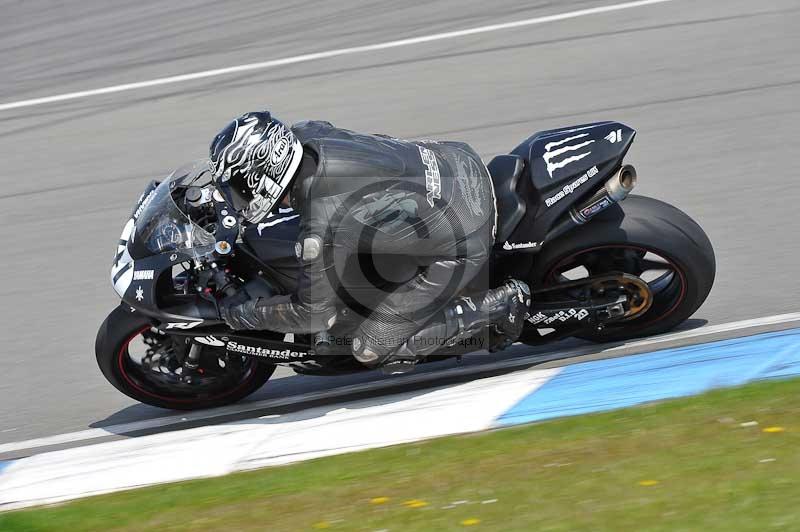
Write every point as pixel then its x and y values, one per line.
pixel 238 311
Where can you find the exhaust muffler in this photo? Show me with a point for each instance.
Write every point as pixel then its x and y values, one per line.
pixel 614 190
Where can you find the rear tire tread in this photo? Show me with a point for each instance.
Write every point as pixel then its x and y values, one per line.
pixel 644 222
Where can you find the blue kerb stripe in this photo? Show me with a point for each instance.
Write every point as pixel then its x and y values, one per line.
pixel 4 464
pixel 619 382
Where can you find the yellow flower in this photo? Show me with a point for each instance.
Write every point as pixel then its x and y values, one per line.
pixel 471 521
pixel 379 500
pixel 322 525
pixel 774 429
pixel 648 482
pixel 415 503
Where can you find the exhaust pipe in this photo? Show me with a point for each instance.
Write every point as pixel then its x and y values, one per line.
pixel 615 190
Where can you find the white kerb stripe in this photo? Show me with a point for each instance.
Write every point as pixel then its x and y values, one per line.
pixel 327 54
pixel 366 424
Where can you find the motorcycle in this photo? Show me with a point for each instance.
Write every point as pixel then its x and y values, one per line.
pixel 603 265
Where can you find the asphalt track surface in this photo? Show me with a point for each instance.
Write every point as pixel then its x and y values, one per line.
pixel 712 86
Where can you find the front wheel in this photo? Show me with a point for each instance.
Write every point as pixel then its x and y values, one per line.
pixel 648 239
pixel 148 365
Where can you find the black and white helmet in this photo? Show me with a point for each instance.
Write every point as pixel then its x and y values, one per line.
pixel 253 160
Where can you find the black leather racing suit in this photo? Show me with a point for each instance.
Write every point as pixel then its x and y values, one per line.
pixel 423 202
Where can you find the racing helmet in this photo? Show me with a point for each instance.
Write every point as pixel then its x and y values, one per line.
pixel 253 161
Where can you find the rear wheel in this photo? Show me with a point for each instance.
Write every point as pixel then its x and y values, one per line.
pixel 645 238
pixel 148 365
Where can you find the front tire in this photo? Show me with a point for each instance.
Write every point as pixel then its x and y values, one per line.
pixel 630 237
pixel 218 386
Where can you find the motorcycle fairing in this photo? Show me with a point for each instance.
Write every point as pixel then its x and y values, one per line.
pixel 123 265
pixel 563 166
pixel 154 240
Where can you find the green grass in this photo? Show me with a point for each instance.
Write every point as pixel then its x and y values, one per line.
pixel 687 464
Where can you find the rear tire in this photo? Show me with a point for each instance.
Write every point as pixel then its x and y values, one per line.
pixel 111 347
pixel 641 225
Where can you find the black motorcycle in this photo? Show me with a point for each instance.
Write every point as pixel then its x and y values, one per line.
pixel 600 269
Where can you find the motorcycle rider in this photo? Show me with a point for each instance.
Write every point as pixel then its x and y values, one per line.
pixel 359 194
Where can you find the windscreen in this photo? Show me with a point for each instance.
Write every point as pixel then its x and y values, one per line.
pixel 162 227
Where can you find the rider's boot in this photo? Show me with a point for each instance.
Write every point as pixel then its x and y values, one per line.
pixel 504 309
